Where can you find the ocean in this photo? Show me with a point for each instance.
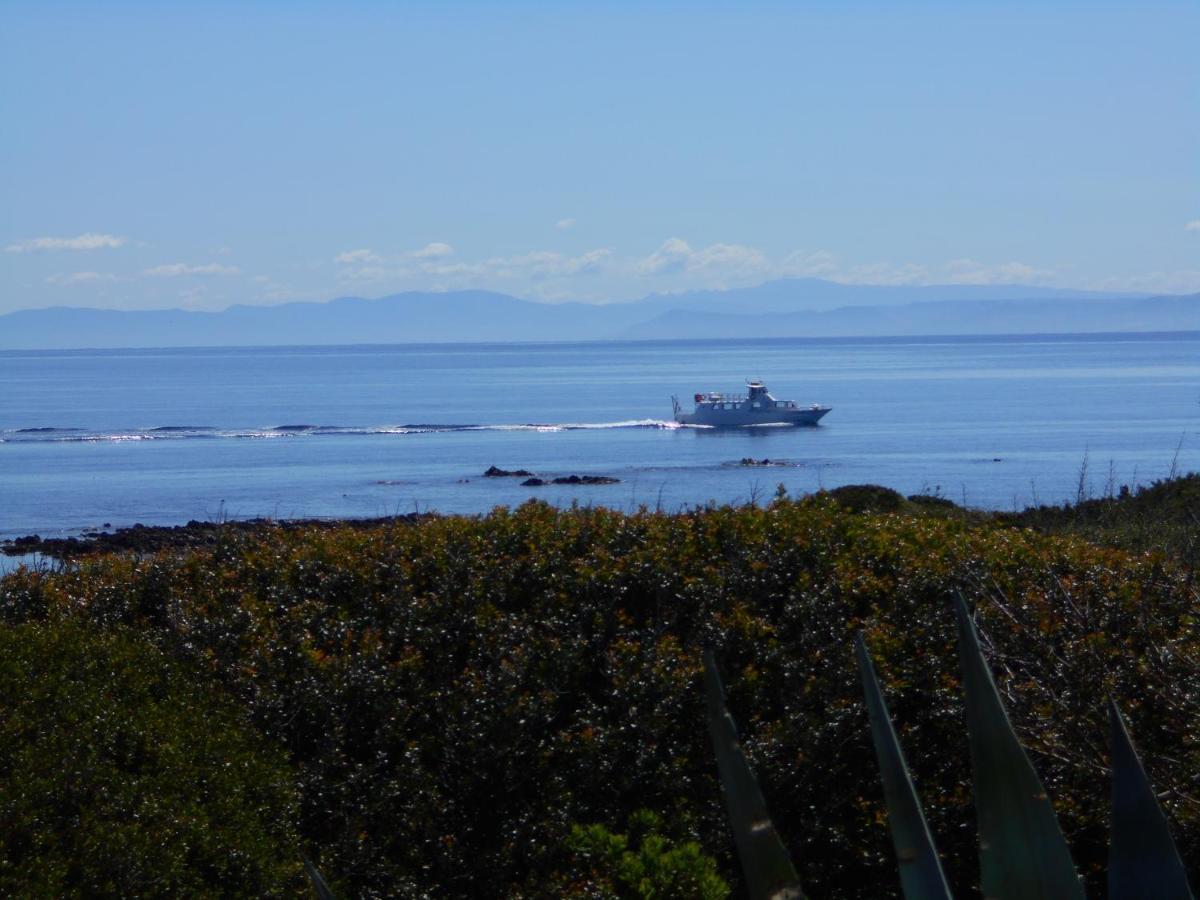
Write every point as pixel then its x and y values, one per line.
pixel 103 439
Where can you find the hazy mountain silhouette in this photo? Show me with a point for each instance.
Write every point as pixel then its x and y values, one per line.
pixel 808 294
pixel 790 308
pixel 979 317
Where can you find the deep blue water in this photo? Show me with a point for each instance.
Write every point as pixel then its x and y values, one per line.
pixel 163 436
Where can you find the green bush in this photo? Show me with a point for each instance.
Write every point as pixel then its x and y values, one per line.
pixel 640 865
pixel 868 498
pixel 455 696
pixel 1160 517
pixel 124 777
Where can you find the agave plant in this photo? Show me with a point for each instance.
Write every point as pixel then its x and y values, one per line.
pixel 1142 859
pixel 1022 851
pixel 1023 854
pixel 920 869
pixel 768 868
pixel 320 888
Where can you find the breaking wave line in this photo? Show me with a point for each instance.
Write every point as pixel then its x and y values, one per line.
pixel 48 434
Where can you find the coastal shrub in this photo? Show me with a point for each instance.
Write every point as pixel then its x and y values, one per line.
pixel 123 777
pixel 455 696
pixel 868 498
pixel 640 865
pixel 1163 516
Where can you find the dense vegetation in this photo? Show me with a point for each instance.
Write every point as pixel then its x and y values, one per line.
pixel 512 705
pixel 124 777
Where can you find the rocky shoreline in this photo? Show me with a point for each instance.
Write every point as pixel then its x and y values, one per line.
pixel 194 534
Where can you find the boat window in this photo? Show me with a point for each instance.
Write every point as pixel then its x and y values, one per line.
pixel 756 404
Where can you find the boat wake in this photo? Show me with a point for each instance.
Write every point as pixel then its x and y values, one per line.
pixel 52 434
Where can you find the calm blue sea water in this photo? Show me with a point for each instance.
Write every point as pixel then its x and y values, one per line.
pixel 163 436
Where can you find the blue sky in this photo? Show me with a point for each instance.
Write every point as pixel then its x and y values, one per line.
pixel 160 155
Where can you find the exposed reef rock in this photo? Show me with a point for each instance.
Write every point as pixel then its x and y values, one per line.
pixel 495 472
pixel 153 538
pixel 571 479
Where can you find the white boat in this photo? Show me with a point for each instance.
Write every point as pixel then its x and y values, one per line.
pixel 755 407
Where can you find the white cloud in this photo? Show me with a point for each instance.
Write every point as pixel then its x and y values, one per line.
pixel 882 273
pixel 1185 281
pixel 823 264
pixel 65 278
pixel 175 270
pixel 365 273
pixel 433 267
pixel 370 266
pixel 436 250
pixel 727 257
pixel 676 255
pixel 89 241
pixel 272 291
pixel 538 264
pixel 672 256
pixel 353 257
pixel 1193 225
pixel 808 264
pixel 968 271
pixel 546 264
pixel 194 298
pixel 564 224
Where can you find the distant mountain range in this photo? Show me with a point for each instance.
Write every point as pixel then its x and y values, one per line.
pixel 787 308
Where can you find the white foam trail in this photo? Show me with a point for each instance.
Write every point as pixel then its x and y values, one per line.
pixel 175 433
pixel 631 423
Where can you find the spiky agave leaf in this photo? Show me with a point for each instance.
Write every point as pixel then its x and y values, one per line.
pixel 921 875
pixel 1022 852
pixel 766 865
pixel 1143 863
pixel 320 888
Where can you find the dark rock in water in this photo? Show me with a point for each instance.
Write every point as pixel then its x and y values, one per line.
pixel 750 461
pixel 571 479
pixel 30 543
pixel 139 539
pixel 586 479
pixel 495 472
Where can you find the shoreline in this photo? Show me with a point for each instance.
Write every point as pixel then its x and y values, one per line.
pixel 1179 493
pixel 193 534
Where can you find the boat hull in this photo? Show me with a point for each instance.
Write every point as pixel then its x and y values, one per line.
pixel 740 418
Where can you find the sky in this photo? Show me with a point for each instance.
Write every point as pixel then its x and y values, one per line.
pixel 200 155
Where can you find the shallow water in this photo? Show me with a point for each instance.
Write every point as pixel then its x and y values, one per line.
pixel 89 438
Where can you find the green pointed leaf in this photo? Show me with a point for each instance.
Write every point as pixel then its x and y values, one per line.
pixel 921 875
pixel 1142 859
pixel 1022 852
pixel 766 865
pixel 320 888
